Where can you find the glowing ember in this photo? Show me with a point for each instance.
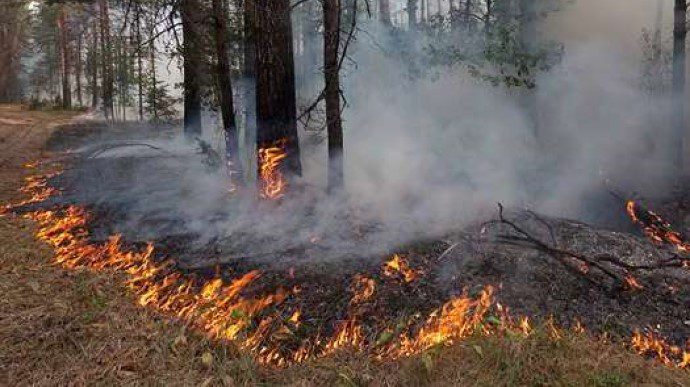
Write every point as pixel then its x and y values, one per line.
pixel 632 284
pixel 272 183
pixel 399 266
pixel 656 228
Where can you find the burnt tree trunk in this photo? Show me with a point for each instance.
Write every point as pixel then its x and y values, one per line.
pixel 385 12
pixel 227 105
pixel 276 112
pixel 679 124
pixel 65 58
pixel 331 43
pixel 189 14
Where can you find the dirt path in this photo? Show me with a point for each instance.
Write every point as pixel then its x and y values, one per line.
pixel 60 327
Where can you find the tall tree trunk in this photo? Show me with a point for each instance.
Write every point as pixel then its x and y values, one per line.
pixel 190 15
pixel 227 105
pixel 331 41
pixel 94 62
pixel 140 64
pixel 385 12
pixel 78 69
pixel 276 112
pixel 65 58
pixel 412 14
pixel 679 35
pixel 107 62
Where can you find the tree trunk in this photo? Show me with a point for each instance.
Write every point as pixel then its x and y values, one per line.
pixel 107 62
pixel 189 14
pixel 94 63
pixel 331 40
pixel 679 35
pixel 412 14
pixel 140 64
pixel 65 58
pixel 385 12
pixel 227 105
pixel 276 112
pixel 78 69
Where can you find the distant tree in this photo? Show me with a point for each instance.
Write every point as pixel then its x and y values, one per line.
pixel 679 96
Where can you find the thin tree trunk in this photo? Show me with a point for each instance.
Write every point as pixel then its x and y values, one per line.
pixel 679 35
pixel 140 64
pixel 227 105
pixel 107 62
pixel 276 112
pixel 189 11
pixel 94 62
pixel 65 58
pixel 79 69
pixel 331 40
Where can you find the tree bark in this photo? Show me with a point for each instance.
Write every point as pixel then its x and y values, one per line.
pixel 331 40
pixel 276 112
pixel 107 62
pixel 140 64
pixel 94 62
pixel 679 35
pixel 227 105
pixel 65 58
pixel 78 69
pixel 189 14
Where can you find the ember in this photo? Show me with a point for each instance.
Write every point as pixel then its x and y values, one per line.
pixel 655 228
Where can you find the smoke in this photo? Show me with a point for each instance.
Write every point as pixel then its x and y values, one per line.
pixel 424 156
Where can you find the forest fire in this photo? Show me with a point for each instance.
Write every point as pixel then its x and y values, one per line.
pixel 272 182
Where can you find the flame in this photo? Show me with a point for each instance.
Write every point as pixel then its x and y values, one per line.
pixel 399 266
pixel 655 227
pixel 261 324
pixel 272 182
pixel 362 288
pixel 670 355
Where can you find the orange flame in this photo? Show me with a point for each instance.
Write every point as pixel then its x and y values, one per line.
pixel 272 182
pixel 655 227
pixel 399 266
pixel 649 343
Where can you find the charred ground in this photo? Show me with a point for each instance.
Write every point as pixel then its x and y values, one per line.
pixel 107 178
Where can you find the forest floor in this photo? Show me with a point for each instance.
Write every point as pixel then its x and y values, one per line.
pixel 60 327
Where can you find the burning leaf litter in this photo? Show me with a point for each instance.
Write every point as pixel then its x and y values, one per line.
pixel 222 309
